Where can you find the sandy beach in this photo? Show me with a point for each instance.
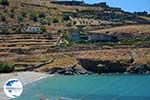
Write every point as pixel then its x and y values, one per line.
pixel 24 77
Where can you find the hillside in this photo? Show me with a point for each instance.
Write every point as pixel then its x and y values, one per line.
pixel 28 51
pixel 22 13
pixel 133 29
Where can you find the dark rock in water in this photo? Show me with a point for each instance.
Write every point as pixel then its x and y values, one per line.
pixel 82 72
pixel 61 71
pixel 139 69
pixel 54 70
pixel 68 73
pixel 89 73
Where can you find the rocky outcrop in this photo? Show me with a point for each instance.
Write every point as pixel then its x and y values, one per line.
pixel 139 69
pixel 100 66
pixel 107 66
pixel 71 70
pixel 94 66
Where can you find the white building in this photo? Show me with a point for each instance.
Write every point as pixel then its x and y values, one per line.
pixel 33 29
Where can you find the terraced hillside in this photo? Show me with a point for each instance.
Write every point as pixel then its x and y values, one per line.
pixel 36 51
pixel 14 46
pixel 26 43
pixel 133 29
pixel 22 13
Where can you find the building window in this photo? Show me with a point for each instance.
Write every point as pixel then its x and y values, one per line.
pixel 37 29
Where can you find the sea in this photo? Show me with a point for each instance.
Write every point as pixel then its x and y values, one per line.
pixel 89 87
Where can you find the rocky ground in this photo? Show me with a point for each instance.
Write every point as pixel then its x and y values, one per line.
pixel 30 52
pixel 101 61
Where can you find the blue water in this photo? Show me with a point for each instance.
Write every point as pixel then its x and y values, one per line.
pixel 92 87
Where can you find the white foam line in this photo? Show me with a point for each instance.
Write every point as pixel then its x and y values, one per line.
pixel 40 78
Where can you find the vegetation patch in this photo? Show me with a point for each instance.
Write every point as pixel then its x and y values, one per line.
pixel 135 40
pixel 6 67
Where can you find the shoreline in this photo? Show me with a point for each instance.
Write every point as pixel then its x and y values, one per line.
pixel 25 77
pixel 30 77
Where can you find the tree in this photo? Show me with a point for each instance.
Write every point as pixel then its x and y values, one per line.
pixel 24 14
pixel 20 19
pixel 55 20
pixel 4 2
pixel 43 21
pixel 42 15
pixel 34 17
pixel 66 17
pixel 43 28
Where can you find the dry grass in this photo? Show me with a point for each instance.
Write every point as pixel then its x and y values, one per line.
pixel 142 55
pixel 70 58
pixel 146 18
pixel 136 29
pixel 113 54
pixel 62 61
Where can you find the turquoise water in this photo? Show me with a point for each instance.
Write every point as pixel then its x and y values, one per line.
pixel 94 87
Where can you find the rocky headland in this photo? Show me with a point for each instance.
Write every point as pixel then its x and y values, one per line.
pixel 91 66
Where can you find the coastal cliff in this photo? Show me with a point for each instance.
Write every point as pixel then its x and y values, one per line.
pixel 134 61
pixel 100 66
pixel 92 66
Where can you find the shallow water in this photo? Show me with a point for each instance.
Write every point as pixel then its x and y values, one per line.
pixel 90 87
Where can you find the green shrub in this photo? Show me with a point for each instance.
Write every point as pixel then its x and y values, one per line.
pixel 42 15
pixel 18 30
pixel 66 17
pixel 135 40
pixel 20 18
pixel 34 17
pixel 24 14
pixel 5 30
pixel 55 20
pixel 43 28
pixel 6 68
pixel 43 21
